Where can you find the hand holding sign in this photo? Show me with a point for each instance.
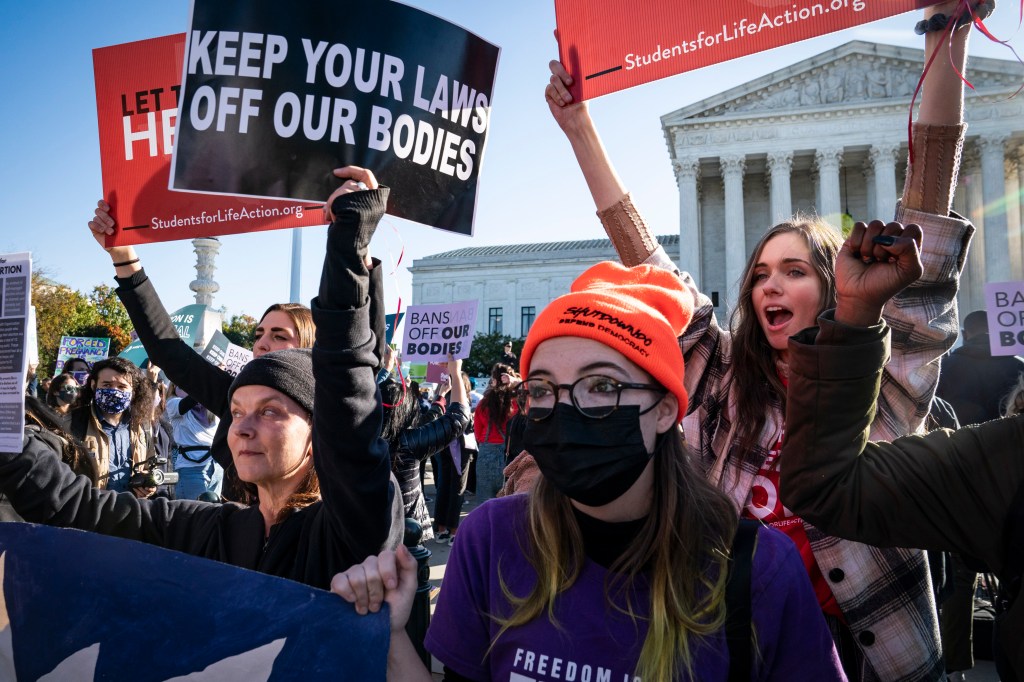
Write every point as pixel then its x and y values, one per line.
pixel 356 180
pixel 388 578
pixel 564 109
pixel 102 226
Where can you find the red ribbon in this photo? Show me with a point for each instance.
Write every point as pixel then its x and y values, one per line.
pixel 398 311
pixel 963 8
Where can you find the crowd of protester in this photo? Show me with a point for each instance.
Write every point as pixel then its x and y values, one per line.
pixel 718 501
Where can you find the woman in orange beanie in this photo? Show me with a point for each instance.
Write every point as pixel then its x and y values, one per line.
pixel 617 563
pixel 878 602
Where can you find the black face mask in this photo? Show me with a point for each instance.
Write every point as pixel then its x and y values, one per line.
pixel 593 461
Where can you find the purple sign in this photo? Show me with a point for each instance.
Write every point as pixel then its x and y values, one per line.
pixel 1004 302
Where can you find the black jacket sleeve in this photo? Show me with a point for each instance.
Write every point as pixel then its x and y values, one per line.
pixel 179 361
pixel 426 439
pixel 43 489
pixel 351 460
pixel 947 490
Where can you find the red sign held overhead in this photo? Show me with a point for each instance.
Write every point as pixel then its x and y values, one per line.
pixel 137 88
pixel 612 46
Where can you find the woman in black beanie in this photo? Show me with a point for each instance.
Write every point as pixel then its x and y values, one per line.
pixel 322 476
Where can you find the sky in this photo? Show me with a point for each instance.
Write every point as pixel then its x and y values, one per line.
pixel 530 188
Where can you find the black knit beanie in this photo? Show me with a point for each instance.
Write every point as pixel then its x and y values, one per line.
pixel 289 371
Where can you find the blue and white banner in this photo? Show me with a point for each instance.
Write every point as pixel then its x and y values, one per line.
pixel 82 606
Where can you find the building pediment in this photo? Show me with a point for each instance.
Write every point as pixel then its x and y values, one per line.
pixel 852 74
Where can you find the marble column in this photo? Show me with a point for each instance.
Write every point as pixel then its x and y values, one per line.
pixel 690 251
pixel 206 249
pixel 829 197
pixel 780 166
pixel 883 158
pixel 733 167
pixel 974 204
pixel 868 169
pixel 993 182
pixel 1013 232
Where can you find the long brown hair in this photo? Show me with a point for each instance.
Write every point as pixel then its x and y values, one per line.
pixel 74 453
pixel 301 317
pixel 141 408
pixel 755 379
pixel 56 384
pixel 499 398
pixel 682 550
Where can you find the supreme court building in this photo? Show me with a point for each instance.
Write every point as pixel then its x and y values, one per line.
pixel 827 135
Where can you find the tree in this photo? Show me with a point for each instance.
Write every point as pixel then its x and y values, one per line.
pixel 487 351
pixel 110 309
pixel 111 319
pixel 241 330
pixel 63 311
pixel 59 308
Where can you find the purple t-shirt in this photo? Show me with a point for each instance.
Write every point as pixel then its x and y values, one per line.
pixel 596 642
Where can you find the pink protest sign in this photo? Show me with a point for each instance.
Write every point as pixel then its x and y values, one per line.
pixel 1004 302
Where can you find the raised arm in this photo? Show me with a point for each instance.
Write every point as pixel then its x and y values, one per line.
pixel 632 238
pixel 629 232
pixel 180 362
pixel 938 132
pixel 426 439
pixel 351 460
pixel 923 317
pixel 944 491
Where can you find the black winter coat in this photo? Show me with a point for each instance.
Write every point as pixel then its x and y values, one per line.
pixel 358 514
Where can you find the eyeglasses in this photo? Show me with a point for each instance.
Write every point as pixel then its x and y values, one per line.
pixel 594 396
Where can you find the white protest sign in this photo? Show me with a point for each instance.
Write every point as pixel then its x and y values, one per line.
pixel 15 298
pixel 33 338
pixel 217 349
pixel 236 358
pixel 434 331
pixel 1004 302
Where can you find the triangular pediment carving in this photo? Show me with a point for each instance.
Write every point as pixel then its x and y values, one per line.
pixel 852 74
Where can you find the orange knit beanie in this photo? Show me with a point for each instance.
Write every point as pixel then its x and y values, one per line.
pixel 639 312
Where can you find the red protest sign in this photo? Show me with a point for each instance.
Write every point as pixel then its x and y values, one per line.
pixel 137 86
pixel 613 46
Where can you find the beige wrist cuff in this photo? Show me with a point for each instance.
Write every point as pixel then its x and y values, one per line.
pixel 629 232
pixel 931 179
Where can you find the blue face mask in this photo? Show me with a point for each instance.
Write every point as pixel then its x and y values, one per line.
pixel 112 400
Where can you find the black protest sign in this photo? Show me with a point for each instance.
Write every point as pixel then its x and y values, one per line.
pixel 276 95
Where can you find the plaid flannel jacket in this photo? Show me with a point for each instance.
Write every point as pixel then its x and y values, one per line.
pixel 885 594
